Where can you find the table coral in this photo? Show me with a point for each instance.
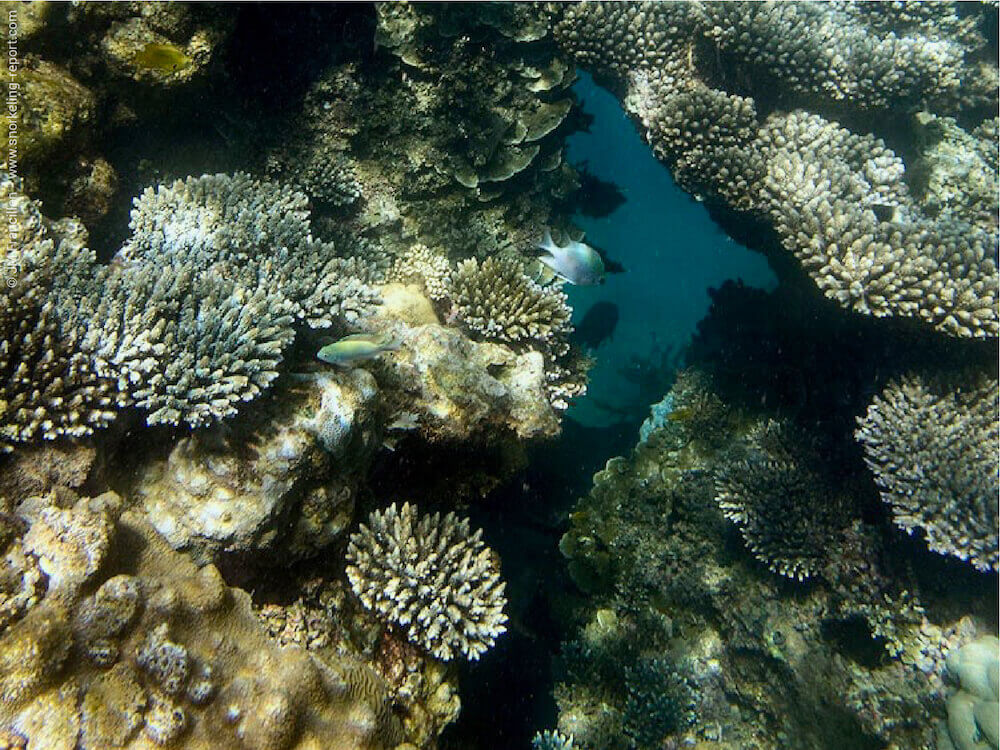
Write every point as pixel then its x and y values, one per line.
pixel 696 76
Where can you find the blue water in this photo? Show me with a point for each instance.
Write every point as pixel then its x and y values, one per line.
pixel 672 251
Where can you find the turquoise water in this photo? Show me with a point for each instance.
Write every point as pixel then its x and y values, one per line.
pixel 672 251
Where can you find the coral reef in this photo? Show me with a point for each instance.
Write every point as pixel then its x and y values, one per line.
pixel 852 657
pixel 430 576
pixel 932 444
pixel 177 653
pixel 696 77
pixel 461 389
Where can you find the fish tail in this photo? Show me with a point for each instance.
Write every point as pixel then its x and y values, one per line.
pixel 547 243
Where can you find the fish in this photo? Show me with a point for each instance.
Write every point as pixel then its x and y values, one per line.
pixel 597 326
pixel 576 262
pixel 357 347
pixel 166 58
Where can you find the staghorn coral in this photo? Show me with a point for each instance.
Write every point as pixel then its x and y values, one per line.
pixel 498 301
pixel 932 444
pixel 843 54
pixel 789 515
pixel 430 576
pixel 825 188
pixel 187 348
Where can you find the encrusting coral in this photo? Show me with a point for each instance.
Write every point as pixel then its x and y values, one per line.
pixel 161 648
pixel 932 444
pixel 431 577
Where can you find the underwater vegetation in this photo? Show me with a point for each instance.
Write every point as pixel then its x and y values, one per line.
pixel 254 317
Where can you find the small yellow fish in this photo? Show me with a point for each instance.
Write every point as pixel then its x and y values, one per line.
pixel 165 58
pixel 356 348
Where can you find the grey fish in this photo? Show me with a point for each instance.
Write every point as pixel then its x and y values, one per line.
pixel 356 348
pixel 576 262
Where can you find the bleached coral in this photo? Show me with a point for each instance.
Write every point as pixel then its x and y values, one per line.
pixel 932 444
pixel 430 576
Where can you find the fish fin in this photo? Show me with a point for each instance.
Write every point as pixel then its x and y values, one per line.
pixel 547 243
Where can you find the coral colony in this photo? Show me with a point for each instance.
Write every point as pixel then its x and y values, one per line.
pixel 257 425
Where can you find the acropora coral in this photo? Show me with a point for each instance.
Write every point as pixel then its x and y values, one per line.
pixel 430 576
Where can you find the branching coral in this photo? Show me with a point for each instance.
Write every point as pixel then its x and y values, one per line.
pixel 840 205
pixel 660 702
pixel 259 231
pixel 195 313
pixel 932 444
pixel 185 347
pixel 694 76
pixel 48 387
pixel 497 300
pixel 789 516
pixel 838 54
pixel 428 268
pixel 430 576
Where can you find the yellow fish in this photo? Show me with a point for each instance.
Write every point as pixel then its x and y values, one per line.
pixel 356 348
